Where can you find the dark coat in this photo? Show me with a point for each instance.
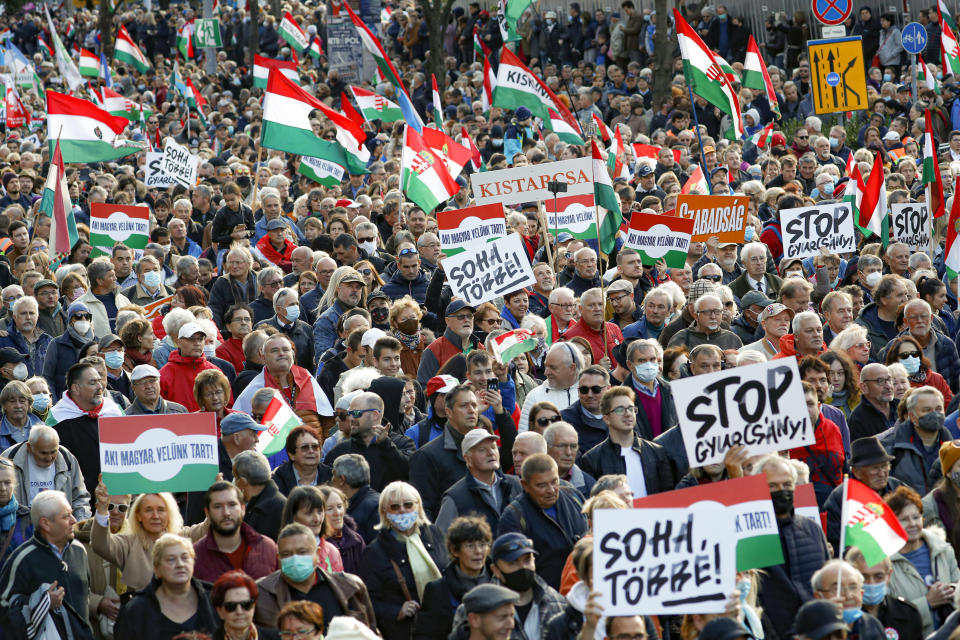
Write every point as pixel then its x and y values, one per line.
pixel 227 292
pixel 365 510
pixel 389 459
pixel 226 219
pixel 286 479
pixel 465 498
pixel 398 286
pixel 902 442
pixel 553 538
pixel 658 471
pixel 740 286
pixel 81 437
pixel 590 431
pixel 876 333
pixel 902 616
pixel 62 354
pixel 379 574
pixel 350 545
pixel 264 511
pixel 672 443
pixel 302 335
pixel 440 601
pixel 141 617
pixel 784 587
pixel 866 421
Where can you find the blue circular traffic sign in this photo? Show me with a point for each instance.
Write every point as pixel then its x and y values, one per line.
pixel 833 78
pixel 914 38
pixel 832 12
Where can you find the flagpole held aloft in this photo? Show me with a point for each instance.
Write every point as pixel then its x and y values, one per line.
pixel 696 127
pixel 843 524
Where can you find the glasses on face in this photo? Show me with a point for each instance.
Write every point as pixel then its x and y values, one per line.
pixel 122 508
pixel 881 381
pixel 917 318
pixel 909 354
pixel 462 317
pixel 365 272
pixel 356 413
pixel 622 410
pixel 273 283
pixel 299 634
pixel 313 446
pixel 408 505
pixel 564 305
pixel 475 546
pixel 340 415
pixel 246 605
pixel 373 239
pixel 863 345
pixel 595 389
pixel 83 316
pixel 710 312
pixel 542 422
pixel 712 278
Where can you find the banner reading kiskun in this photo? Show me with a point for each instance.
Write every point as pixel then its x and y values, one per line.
pixel 113 223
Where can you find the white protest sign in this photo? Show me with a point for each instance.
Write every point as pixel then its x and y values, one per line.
pixel 529 183
pixel 807 230
pixel 180 164
pixel 489 271
pixel 910 223
pixel 664 561
pixel 759 406
pixel 153 175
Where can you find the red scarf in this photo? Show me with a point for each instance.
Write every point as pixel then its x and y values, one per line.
pixel 139 358
pixel 93 413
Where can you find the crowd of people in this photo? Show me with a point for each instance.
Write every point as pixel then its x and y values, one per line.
pixel 433 490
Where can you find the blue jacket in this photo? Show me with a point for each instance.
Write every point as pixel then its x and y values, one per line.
pixel 325 328
pixel 6 439
pixel 260 229
pixel 15 340
pixel 62 354
pixel 590 431
pixel 638 330
pixel 902 442
pixel 435 429
pixel 398 286
pixel 310 301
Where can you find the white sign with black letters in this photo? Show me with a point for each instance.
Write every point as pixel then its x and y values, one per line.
pixel 760 406
pixel 910 223
pixel 489 271
pixel 664 561
pixel 807 230
pixel 153 175
pixel 180 164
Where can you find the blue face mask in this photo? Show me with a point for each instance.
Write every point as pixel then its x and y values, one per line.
pixel 834 142
pixel 646 371
pixel 114 359
pixel 40 402
pixel 743 586
pixel 874 593
pixel 911 364
pixel 887 77
pixel 403 521
pixel 852 615
pixel 293 312
pixel 297 568
pixel 748 233
pixel 151 279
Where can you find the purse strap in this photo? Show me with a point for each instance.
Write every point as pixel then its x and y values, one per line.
pixel 402 581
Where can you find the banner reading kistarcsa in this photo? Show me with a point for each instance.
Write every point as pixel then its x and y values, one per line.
pixel 460 229
pixel 113 223
pixel 529 183
pixel 139 456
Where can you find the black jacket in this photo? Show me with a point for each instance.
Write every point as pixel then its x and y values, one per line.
pixel 901 616
pixel 365 510
pixel 590 431
pixel 250 371
pixel 286 479
pixel 141 617
pixel 62 354
pixel 302 335
pixel 866 421
pixel 437 465
pixel 440 601
pixel 552 538
pixel 465 498
pixel 380 576
pixel 227 292
pixel 81 437
pixel 902 442
pixel 389 459
pixel 226 219
pixel 658 471
pixel 264 511
pixel 672 443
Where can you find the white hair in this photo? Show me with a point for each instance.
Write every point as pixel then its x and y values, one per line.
pixel 802 317
pixel 750 356
pixel 175 319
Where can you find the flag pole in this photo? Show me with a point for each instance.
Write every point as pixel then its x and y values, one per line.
pixel 696 127
pixel 933 227
pixel 843 524
pixel 596 217
pixel 542 215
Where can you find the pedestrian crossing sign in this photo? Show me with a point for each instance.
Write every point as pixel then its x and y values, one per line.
pixel 837 75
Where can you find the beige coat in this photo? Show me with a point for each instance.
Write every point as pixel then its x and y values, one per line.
pixel 101 323
pixel 907 583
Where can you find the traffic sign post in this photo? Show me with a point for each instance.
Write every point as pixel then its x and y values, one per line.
pixel 837 75
pixel 914 39
pixel 832 12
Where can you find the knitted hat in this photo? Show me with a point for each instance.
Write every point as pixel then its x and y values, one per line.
pixel 949 454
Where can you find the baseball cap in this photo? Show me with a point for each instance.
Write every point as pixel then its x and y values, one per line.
pixel 564 236
pixel 441 384
pixel 109 339
pixel 237 422
pixel 709 149
pixel 523 113
pixel 774 309
pixel 373 295
pixel 44 283
pixel 9 354
pixel 644 170
pixel 891 135
pixel 511 546
pixel 487 597
pixel 777 139
pixel 370 337
pixel 457 305
pixel 473 438
pixel 724 629
pixel 620 285
pixel 752 298
pixel 352 276
pixel 818 618
pixel 142 371
pixel 347 203
pixel 190 329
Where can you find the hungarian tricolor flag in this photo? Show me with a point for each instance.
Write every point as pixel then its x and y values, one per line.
pixel 853 191
pixel 511 344
pixel 951 252
pixel 325 172
pixel 615 157
pixel 262 66
pixel 517 86
pixel 489 84
pixel 55 203
pixel 185 41
pixel 68 70
pixel 279 420
pixel 605 133
pixel 126 51
pixel 726 68
pixel 945 16
pixel 454 154
pixel 349 111
pixel 949 50
pixel 755 75
pixel 931 170
pixel 437 104
pixel 696 183
pixel 476 160
pixel 117 105
pixel 375 107
pixel 651 151
pixel 17 114
pixel 315 50
pixel 873 204
pixel 424 175
pixel 869 524
pixel 43 45
pixel 926 77
pixel 196 101
pixel 86 132
pixel 763 137
pixel 705 77
pixel 291 32
pixel 607 203
pixel 89 64
pixel 350 136
pixel 564 131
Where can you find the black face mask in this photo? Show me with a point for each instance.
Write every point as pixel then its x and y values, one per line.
pixel 520 580
pixel 243 181
pixel 379 314
pixel 782 501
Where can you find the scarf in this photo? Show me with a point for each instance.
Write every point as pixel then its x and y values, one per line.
pixel 8 514
pixel 80 339
pixel 139 358
pixel 424 569
pixel 919 377
pixel 410 342
pixel 67 409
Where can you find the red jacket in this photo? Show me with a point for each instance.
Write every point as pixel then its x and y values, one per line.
pixel 595 338
pixel 232 352
pixel 177 376
pixel 281 259
pixel 259 557
pixel 824 457
pixel 787 348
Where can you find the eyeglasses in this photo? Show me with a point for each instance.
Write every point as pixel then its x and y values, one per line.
pixel 365 272
pixel 491 321
pixel 881 381
pixel 863 345
pixel 564 305
pixel 300 634
pixel 475 546
pixel 273 283
pixel 911 354
pixel 462 317
pixel 356 413
pixel 408 506
pixel 247 605
pixel 710 312
pixel 622 410
pixel 595 389
pixel 122 508
pixel 572 446
pixel 542 422
pixel 714 278
pixel 309 447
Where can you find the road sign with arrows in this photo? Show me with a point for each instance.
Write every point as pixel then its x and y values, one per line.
pixel 837 74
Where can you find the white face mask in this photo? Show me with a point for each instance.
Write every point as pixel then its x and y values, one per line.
pixel 82 326
pixel 20 372
pixel 209 350
pixel 370 247
pixel 873 279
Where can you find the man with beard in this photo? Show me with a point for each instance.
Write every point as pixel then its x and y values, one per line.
pixel 231 543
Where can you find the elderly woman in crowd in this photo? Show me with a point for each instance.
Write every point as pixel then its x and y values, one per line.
pixel 341 529
pixel 907 351
pixel 211 390
pixel 15 525
pixel 138 344
pixel 234 597
pixel 853 342
pixel 405 316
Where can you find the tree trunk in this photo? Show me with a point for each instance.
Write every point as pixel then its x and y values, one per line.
pixel 105 25
pixel 437 14
pixel 253 38
pixel 662 54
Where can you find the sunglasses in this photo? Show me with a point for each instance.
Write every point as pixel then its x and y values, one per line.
pixel 247 605
pixel 356 413
pixel 407 252
pixel 122 508
pixel 714 278
pixel 365 272
pixel 542 422
pixel 595 389
pixel 83 316
pixel 395 508
pixel 912 354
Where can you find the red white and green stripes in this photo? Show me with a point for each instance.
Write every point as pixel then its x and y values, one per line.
pixel 437 104
pixel 869 524
pixel 375 107
pixel 705 76
pixel 424 175
pixel 564 131
pixel 262 66
pixel 286 118
pixel 87 133
pixel 931 170
pixel 89 64
pixel 951 258
pixel 291 32
pixel 279 420
pixel 949 50
pixel 755 75
pixel 511 344
pixel 125 50
pixel 763 137
pixel 608 205
pixel 873 204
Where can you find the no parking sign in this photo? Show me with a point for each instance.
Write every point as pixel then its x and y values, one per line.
pixel 832 12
